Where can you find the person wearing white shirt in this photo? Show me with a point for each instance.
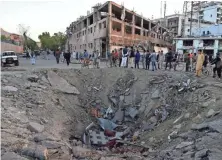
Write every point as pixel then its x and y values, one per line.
pixel 74 55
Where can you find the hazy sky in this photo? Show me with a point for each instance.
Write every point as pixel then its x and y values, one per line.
pixel 54 16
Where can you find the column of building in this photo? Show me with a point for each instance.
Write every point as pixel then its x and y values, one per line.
pixel 109 25
pixel 216 46
pixel 133 28
pixel 141 25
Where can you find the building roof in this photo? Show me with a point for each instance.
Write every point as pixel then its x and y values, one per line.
pixel 192 38
pixel 3 32
pixel 114 3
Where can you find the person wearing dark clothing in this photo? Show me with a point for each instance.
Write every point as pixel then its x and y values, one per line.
pixel 218 66
pixel 67 57
pixel 187 61
pixel 125 50
pixel 137 59
pixel 175 56
pixel 210 58
pixel 57 55
pixel 205 61
pixel 147 60
pixel 169 57
pixel 77 56
pixel 27 55
pixel 132 57
pixel 48 53
pixel 157 59
pixel 120 56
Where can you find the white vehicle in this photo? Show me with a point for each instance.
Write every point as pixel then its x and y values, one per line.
pixel 9 57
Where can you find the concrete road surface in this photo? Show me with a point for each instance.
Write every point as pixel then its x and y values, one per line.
pixel 25 64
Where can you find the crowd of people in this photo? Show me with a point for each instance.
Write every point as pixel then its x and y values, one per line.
pixel 145 59
pixel 149 60
pixel 132 58
pixel 193 62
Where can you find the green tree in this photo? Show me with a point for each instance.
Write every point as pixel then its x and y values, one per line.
pixel 31 44
pixel 52 42
pixel 3 38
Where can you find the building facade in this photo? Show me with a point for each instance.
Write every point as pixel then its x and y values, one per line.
pixel 211 12
pixel 173 23
pixel 207 31
pixel 14 42
pixel 111 26
pixel 205 14
pixel 209 45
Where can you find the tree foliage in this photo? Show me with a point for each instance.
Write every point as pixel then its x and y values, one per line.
pixel 57 40
pixel 4 38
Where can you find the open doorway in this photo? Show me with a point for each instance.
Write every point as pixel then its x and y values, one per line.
pixel 104 48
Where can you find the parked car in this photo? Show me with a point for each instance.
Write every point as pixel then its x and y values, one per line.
pixel 9 57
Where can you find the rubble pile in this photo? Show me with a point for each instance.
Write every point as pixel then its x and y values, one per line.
pixel 110 114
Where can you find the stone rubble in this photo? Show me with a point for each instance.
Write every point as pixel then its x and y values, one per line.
pixel 126 116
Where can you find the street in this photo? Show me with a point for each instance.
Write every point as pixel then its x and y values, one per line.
pixel 43 63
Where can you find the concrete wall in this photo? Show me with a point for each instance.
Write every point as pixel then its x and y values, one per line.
pixel 179 45
pixel 94 38
pixel 215 30
pixel 197 44
pixel 210 14
pixel 11 47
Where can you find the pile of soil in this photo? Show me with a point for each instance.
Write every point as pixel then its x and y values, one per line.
pixel 45 114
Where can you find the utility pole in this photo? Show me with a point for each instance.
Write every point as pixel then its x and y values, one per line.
pixel 164 14
pixel 191 16
pixel 161 9
pixel 184 19
pixel 199 7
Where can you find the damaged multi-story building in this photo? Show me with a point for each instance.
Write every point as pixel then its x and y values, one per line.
pixel 111 26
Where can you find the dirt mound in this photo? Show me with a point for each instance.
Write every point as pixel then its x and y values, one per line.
pixel 135 114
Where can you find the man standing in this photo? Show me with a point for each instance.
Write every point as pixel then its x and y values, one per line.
pixel 67 56
pixel 161 59
pixel 74 55
pixel 147 60
pixel 157 59
pixel 109 56
pixel 48 53
pixel 199 65
pixel 120 57
pixel 187 60
pixel 205 60
pixel 153 58
pixel 143 57
pixel 115 57
pixel 85 56
pixel 96 58
pixel 33 57
pixel 132 57
pixel 57 55
pixel 169 57
pixel 137 59
pixel 124 57
pixel 218 66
